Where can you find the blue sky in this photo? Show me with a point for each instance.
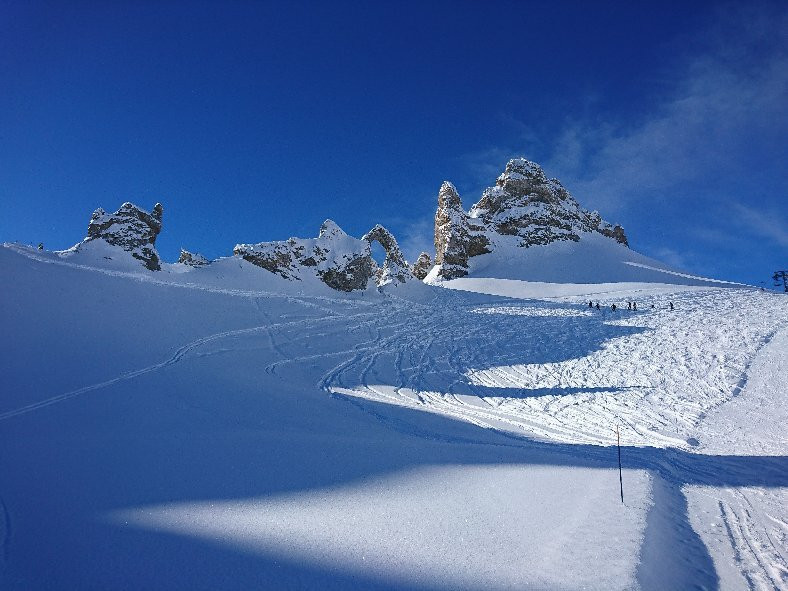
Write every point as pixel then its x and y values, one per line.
pixel 256 121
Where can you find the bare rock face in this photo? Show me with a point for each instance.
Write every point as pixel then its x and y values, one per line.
pixel 131 228
pixel 422 266
pixel 524 204
pixel 457 236
pixel 395 267
pixel 340 261
pixel 193 259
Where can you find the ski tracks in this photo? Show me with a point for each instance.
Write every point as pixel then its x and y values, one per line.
pixel 759 554
pixel 178 356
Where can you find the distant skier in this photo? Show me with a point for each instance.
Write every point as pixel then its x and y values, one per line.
pixel 613 307
pixel 590 304
pixel 635 306
pixel 40 246
pixel 652 306
pixel 597 305
pixel 629 305
pixel 671 305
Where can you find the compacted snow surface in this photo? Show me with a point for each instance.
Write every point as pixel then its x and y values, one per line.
pixel 223 428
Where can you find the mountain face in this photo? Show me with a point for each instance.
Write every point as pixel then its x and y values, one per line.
pixel 524 208
pixel 523 204
pixel 342 262
pixel 131 228
pixel 422 266
pixel 193 259
pixel 395 267
pixel 457 236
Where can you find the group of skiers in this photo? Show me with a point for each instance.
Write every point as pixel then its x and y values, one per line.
pixel 630 306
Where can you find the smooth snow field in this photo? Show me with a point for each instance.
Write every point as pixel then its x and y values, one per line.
pixel 224 428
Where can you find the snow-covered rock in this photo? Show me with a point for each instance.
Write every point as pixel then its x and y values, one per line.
pixel 422 266
pixel 395 267
pixel 342 262
pixel 131 228
pixel 524 204
pixel 457 236
pixel 193 259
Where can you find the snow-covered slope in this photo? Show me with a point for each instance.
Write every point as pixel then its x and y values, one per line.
pixel 594 265
pixel 220 426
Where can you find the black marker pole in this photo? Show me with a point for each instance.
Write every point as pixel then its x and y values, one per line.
pixel 620 478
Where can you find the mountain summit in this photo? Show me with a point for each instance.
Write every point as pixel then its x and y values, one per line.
pixel 524 208
pixel 130 228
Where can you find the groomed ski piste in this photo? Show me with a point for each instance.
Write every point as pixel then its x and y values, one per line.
pixel 220 427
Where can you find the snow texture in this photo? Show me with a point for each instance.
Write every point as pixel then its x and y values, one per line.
pixel 223 426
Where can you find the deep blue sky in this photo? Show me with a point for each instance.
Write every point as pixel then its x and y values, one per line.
pixel 256 121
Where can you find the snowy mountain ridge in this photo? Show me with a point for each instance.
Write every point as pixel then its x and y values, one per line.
pixel 524 217
pixel 524 208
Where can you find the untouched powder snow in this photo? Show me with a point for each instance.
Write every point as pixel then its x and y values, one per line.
pixel 221 427
pixel 594 260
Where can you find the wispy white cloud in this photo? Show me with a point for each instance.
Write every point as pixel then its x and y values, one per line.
pixel 725 101
pixel 766 223
pixel 672 257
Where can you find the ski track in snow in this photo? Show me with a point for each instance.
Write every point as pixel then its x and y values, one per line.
pixel 758 557
pixel 656 373
pixel 178 356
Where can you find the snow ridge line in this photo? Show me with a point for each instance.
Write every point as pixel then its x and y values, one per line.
pixel 144 278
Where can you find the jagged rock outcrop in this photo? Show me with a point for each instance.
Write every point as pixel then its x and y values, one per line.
pixel 524 204
pixel 193 259
pixel 340 261
pixel 131 228
pixel 395 267
pixel 457 236
pixel 422 266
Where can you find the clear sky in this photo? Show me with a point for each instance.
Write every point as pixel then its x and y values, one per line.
pixel 255 121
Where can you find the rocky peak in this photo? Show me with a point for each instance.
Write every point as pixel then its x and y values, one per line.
pixel 330 229
pixel 422 266
pixel 131 228
pixel 448 197
pixel 522 177
pixel 193 259
pixel 524 204
pixel 340 261
pixel 457 236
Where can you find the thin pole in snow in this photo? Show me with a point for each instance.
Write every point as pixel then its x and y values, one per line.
pixel 620 478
